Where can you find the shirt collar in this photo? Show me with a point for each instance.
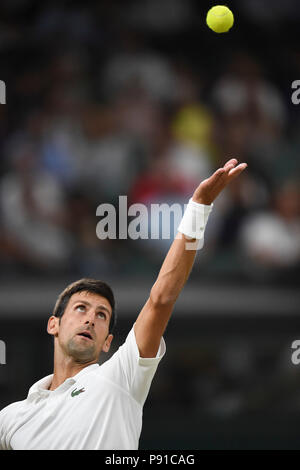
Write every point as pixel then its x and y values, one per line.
pixel 42 385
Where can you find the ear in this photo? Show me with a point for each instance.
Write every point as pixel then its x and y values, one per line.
pixel 107 343
pixel 53 325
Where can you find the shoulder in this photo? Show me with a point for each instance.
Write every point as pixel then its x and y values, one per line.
pixel 10 410
pixel 126 360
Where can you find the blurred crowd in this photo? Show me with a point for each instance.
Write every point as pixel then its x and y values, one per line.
pixel 104 101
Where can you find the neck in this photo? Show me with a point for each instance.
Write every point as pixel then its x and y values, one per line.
pixel 64 368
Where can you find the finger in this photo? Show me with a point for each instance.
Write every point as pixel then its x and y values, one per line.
pixel 230 173
pixel 232 161
pixel 237 170
pixel 216 175
pixel 230 165
pixel 221 174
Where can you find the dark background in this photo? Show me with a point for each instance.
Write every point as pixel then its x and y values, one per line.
pixel 141 99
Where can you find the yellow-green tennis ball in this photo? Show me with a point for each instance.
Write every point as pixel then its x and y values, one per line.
pixel 220 19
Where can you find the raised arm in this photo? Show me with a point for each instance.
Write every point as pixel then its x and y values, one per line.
pixel 152 320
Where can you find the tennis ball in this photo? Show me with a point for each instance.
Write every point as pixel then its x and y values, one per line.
pixel 220 19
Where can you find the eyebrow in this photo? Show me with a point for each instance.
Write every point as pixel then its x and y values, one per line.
pixel 99 307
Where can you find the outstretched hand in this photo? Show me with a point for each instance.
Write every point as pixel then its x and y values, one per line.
pixel 210 188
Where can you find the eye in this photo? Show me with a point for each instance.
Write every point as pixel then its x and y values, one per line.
pixel 80 307
pixel 101 315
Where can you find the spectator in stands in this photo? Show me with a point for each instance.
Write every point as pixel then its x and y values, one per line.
pixel 33 211
pixel 270 239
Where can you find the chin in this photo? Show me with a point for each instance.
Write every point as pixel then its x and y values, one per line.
pixel 82 353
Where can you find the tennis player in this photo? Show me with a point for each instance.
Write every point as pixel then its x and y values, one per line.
pixel 87 406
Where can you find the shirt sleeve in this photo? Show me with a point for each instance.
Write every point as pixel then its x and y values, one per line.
pixel 4 416
pixel 132 372
pixel 2 431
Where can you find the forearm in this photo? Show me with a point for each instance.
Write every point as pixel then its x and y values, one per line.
pixel 174 272
pixel 153 318
pixel 179 261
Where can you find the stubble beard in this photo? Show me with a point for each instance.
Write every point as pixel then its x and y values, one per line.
pixel 81 353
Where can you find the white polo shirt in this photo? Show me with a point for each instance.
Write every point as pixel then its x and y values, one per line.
pixel 99 408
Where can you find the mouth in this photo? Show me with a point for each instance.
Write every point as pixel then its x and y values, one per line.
pixel 86 335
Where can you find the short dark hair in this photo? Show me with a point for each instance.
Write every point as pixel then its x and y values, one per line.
pixel 93 286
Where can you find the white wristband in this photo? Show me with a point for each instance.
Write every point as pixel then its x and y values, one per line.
pixel 194 220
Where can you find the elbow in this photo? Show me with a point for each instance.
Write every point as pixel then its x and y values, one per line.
pixel 159 298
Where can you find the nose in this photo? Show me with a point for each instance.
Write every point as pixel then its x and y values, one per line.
pixel 90 319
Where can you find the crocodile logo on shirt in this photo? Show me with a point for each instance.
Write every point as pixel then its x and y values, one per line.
pixel 76 392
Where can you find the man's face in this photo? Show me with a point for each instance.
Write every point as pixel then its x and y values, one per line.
pixel 83 329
